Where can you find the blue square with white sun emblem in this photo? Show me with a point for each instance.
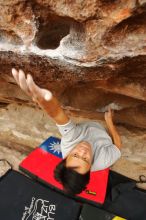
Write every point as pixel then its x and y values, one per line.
pixel 52 145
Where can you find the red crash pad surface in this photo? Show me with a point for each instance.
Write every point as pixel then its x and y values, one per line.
pixel 42 161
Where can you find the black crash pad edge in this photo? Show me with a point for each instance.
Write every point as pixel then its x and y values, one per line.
pixel 44 183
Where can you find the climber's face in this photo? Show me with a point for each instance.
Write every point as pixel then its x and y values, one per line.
pixel 80 158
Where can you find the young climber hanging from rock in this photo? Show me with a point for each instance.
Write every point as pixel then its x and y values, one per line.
pixel 85 146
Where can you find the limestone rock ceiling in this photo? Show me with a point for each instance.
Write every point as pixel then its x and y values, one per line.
pixel 89 53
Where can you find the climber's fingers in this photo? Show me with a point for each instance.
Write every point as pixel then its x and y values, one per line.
pixel 15 75
pixel 19 76
pixel 32 86
pixel 22 81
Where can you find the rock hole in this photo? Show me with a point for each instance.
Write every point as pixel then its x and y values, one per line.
pixel 49 36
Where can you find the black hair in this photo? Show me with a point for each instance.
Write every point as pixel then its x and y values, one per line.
pixel 72 181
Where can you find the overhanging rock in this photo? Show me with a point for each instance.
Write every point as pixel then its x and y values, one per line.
pixel 91 54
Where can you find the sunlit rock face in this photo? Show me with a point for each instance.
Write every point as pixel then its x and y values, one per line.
pixel 91 54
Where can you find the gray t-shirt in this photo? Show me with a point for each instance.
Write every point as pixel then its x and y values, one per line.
pixel 105 153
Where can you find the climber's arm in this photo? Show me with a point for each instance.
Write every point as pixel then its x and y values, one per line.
pixel 54 110
pixel 112 129
pixel 43 97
